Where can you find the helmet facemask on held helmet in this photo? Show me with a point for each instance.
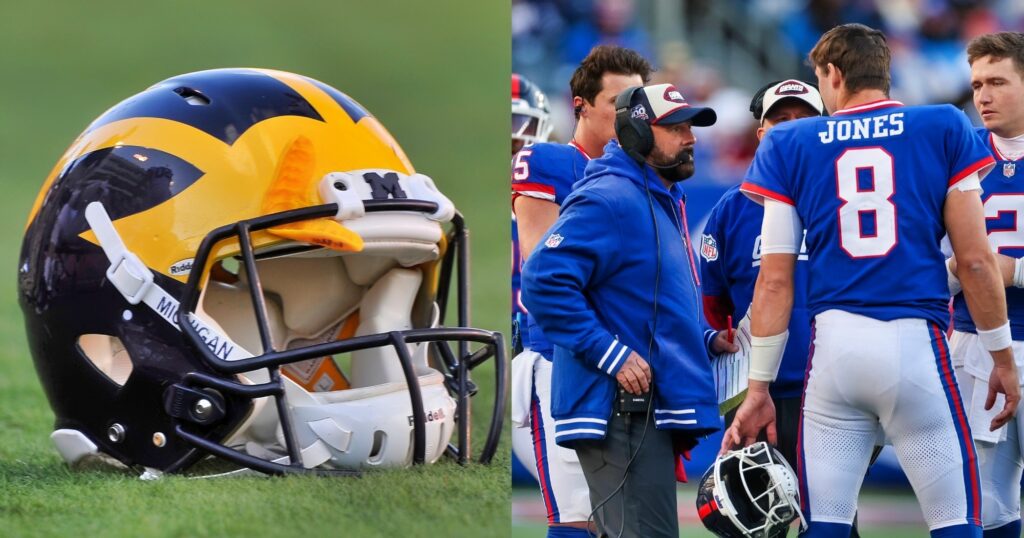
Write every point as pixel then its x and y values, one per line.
pixel 242 263
pixel 750 492
pixel 531 118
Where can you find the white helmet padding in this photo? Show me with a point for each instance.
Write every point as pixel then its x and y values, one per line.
pixel 313 293
pixel 387 306
pixel 372 426
pixel 309 297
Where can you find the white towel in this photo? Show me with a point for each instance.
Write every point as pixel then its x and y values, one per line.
pixel 522 387
pixel 979 418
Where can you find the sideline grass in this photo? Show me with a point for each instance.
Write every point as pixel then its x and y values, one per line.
pixel 882 514
pixel 440 85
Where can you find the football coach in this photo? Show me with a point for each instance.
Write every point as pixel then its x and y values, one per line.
pixel 615 287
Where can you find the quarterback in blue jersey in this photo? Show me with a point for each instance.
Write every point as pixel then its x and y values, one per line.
pixel 731 258
pixel 878 185
pixel 543 175
pixel 997 80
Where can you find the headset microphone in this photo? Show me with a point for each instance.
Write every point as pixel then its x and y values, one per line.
pixel 686 158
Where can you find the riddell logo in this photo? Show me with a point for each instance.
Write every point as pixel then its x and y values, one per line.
pixel 790 88
pixel 437 414
pixel 183 267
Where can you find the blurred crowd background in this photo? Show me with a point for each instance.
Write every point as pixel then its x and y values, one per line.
pixel 718 52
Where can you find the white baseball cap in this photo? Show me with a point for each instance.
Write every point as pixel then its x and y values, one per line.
pixel 791 89
pixel 662 104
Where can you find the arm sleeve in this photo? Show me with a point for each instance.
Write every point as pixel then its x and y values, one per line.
pixel 781 230
pixel 970 183
pixel 709 338
pixel 581 248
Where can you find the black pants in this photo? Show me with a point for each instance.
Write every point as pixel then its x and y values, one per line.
pixel 640 499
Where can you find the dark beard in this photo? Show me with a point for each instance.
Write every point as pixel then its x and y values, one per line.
pixel 674 174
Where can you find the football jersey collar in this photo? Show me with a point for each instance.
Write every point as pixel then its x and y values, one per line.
pixel 576 145
pixel 1012 146
pixel 867 107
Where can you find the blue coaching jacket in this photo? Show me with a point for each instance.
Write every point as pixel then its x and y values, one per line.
pixel 591 286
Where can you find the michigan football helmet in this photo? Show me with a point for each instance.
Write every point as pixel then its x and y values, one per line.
pixel 749 493
pixel 243 263
pixel 531 119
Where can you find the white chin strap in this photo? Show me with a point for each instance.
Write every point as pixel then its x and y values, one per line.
pixel 135 281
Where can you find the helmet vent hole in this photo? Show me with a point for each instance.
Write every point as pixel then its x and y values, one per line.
pixel 377 450
pixel 108 355
pixel 192 96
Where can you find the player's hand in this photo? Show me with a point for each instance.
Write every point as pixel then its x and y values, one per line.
pixel 635 375
pixel 721 344
pixel 1003 380
pixel 756 413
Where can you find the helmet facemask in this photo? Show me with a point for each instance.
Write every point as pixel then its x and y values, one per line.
pixel 383 349
pixel 530 126
pixel 755 490
pixel 531 118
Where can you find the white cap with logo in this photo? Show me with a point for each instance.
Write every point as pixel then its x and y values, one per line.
pixel 791 89
pixel 662 104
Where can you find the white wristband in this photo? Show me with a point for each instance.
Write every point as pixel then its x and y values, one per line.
pixel 951 280
pixel 1018 273
pixel 766 356
pixel 996 339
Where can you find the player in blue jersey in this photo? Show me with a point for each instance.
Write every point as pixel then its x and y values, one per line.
pixel 997 78
pixel 877 185
pixel 542 176
pixel 731 257
pixel 531 124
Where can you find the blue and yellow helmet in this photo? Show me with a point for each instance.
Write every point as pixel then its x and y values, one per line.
pixel 243 263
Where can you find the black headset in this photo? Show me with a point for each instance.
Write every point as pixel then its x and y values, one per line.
pixel 635 135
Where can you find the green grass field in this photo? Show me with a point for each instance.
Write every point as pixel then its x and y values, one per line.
pixel 435 73
pixel 882 514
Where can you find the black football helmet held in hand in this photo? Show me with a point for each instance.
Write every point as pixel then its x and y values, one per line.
pixel 243 263
pixel 749 493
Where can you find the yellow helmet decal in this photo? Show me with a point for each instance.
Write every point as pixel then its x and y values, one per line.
pixel 265 169
pixel 295 187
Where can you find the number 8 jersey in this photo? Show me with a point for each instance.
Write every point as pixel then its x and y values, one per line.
pixel 869 184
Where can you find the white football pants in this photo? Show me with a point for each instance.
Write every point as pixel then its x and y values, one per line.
pixel 557 469
pixel 999 452
pixel 865 375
